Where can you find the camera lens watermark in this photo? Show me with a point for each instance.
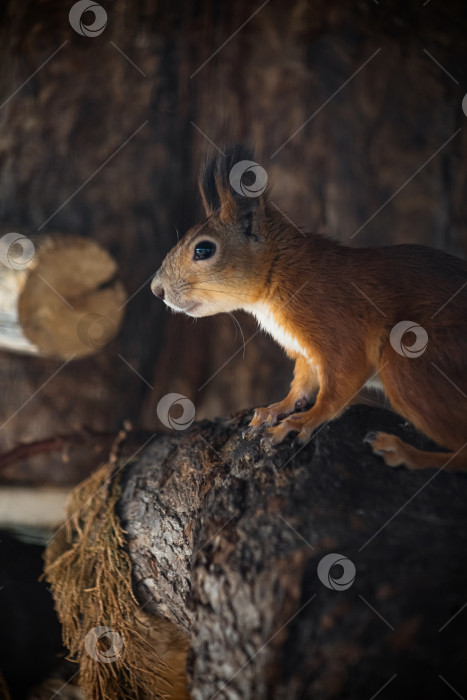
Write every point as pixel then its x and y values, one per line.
pixel 95 330
pixel 248 178
pixel 336 582
pixel 16 251
pixel 95 647
pixel 414 349
pixel 165 406
pixel 75 17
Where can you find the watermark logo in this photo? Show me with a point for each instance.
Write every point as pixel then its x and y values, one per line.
pixel 165 406
pixel 16 251
pixel 75 17
pixel 104 651
pixel 95 330
pixel 336 582
pixel 398 340
pixel 248 178
pixel 464 105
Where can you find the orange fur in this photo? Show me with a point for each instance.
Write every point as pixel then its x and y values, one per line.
pixel 332 308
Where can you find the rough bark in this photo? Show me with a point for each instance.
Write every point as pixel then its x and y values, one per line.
pixel 225 541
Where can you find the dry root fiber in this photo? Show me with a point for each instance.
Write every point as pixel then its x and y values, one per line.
pixel 122 652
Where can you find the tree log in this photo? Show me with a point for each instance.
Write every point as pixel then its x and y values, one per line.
pixel 230 545
pixel 58 296
pixel 33 507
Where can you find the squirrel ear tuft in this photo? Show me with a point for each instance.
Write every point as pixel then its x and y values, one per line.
pixel 231 183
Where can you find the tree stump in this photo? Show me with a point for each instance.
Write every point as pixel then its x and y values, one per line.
pixel 308 572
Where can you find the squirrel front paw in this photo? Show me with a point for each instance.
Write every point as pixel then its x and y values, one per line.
pixel 271 415
pixel 296 423
pixel 277 434
pixel 263 418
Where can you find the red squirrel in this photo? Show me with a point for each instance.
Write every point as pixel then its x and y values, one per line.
pixel 347 316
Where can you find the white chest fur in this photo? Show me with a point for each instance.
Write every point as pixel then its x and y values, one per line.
pixel 268 322
pixel 375 383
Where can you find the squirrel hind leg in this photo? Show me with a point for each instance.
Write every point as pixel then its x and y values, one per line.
pixel 395 453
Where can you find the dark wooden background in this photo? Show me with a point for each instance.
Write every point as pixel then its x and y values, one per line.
pixel 145 114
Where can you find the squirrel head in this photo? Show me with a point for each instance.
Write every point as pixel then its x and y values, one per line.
pixel 222 263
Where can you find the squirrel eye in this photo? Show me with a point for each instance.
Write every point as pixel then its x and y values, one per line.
pixel 204 250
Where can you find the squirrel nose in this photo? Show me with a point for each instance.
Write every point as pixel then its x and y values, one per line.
pixel 157 289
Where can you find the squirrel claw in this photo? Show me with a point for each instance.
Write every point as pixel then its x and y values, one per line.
pixel 266 444
pixel 370 437
pixel 275 435
pixel 250 433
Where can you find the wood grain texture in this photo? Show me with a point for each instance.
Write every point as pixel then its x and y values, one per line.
pixel 60 297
